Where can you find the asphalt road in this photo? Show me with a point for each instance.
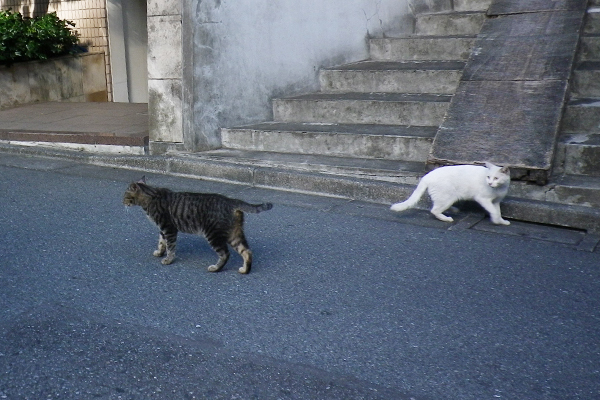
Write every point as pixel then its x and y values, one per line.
pixel 345 300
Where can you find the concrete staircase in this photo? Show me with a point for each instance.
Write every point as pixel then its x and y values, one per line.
pixel 577 163
pixel 367 134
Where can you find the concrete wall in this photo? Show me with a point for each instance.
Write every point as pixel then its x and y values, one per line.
pixel 78 78
pixel 128 47
pixel 237 55
pixel 89 17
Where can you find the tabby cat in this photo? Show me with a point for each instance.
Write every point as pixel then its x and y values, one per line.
pixel 446 185
pixel 219 218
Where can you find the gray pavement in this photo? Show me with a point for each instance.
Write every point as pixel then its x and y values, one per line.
pixel 117 124
pixel 346 300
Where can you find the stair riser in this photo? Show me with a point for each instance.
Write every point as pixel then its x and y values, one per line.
pixel 580 159
pixel 296 181
pixel 581 119
pixel 421 49
pixel 439 82
pixel 332 186
pixel 590 49
pixel 360 112
pixel 471 5
pixel 586 83
pixel 433 6
pixel 589 197
pixel 592 23
pixel 331 144
pixel 449 24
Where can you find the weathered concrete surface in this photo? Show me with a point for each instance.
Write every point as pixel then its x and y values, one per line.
pixel 392 142
pixel 90 123
pixel 509 103
pixel 363 108
pixel 69 78
pixel 499 7
pixel 503 122
pixel 440 77
pixel 241 54
pixel 449 48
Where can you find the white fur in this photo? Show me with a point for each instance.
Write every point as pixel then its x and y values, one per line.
pixel 446 185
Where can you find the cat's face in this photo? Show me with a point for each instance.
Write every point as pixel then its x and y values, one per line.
pixel 135 194
pixel 497 176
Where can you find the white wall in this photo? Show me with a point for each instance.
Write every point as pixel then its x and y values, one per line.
pixel 246 52
pixel 128 40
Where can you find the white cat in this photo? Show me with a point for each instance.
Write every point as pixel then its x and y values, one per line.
pixel 446 185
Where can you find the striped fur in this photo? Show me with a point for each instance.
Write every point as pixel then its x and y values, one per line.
pixel 216 217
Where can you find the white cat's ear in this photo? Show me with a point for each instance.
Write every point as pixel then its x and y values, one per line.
pixel 489 165
pixel 505 170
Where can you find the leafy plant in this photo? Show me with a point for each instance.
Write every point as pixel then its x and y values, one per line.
pixel 23 39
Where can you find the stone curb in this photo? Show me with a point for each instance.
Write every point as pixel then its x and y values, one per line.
pixel 541 212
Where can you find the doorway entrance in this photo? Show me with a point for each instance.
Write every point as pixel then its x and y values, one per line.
pixel 128 43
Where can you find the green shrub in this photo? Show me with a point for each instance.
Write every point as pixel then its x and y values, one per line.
pixel 23 39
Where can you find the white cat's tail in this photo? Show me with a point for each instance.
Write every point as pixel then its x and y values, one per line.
pixel 413 199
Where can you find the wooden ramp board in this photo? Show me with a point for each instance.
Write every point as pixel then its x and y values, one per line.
pixel 510 100
pixel 500 7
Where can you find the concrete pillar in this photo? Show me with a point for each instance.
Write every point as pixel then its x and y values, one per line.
pixel 165 75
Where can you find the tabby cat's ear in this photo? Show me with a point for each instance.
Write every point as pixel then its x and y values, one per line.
pixel 143 180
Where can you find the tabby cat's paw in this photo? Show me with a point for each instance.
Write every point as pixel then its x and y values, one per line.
pixel 213 268
pixel 158 253
pixel 167 260
pixel 244 270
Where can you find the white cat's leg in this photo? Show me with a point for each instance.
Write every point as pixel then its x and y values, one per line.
pixel 437 210
pixel 494 210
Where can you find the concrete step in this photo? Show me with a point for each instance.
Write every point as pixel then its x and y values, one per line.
pixel 449 23
pixel 581 116
pixel 440 77
pixel 592 21
pixel 579 154
pixel 387 182
pixel 363 108
pixel 589 49
pixel 586 80
pixel 579 189
pixel 471 5
pixel 422 48
pixel 431 6
pixel 379 181
pixel 390 142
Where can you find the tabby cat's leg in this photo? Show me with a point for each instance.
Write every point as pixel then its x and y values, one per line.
pixel 219 244
pixel 237 240
pixel 170 240
pixel 241 246
pixel 162 246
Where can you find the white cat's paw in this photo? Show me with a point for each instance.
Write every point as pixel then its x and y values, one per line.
pixel 397 207
pixel 444 218
pixel 501 222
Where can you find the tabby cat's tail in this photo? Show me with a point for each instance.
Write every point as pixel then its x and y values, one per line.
pixel 254 208
pixel 413 199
